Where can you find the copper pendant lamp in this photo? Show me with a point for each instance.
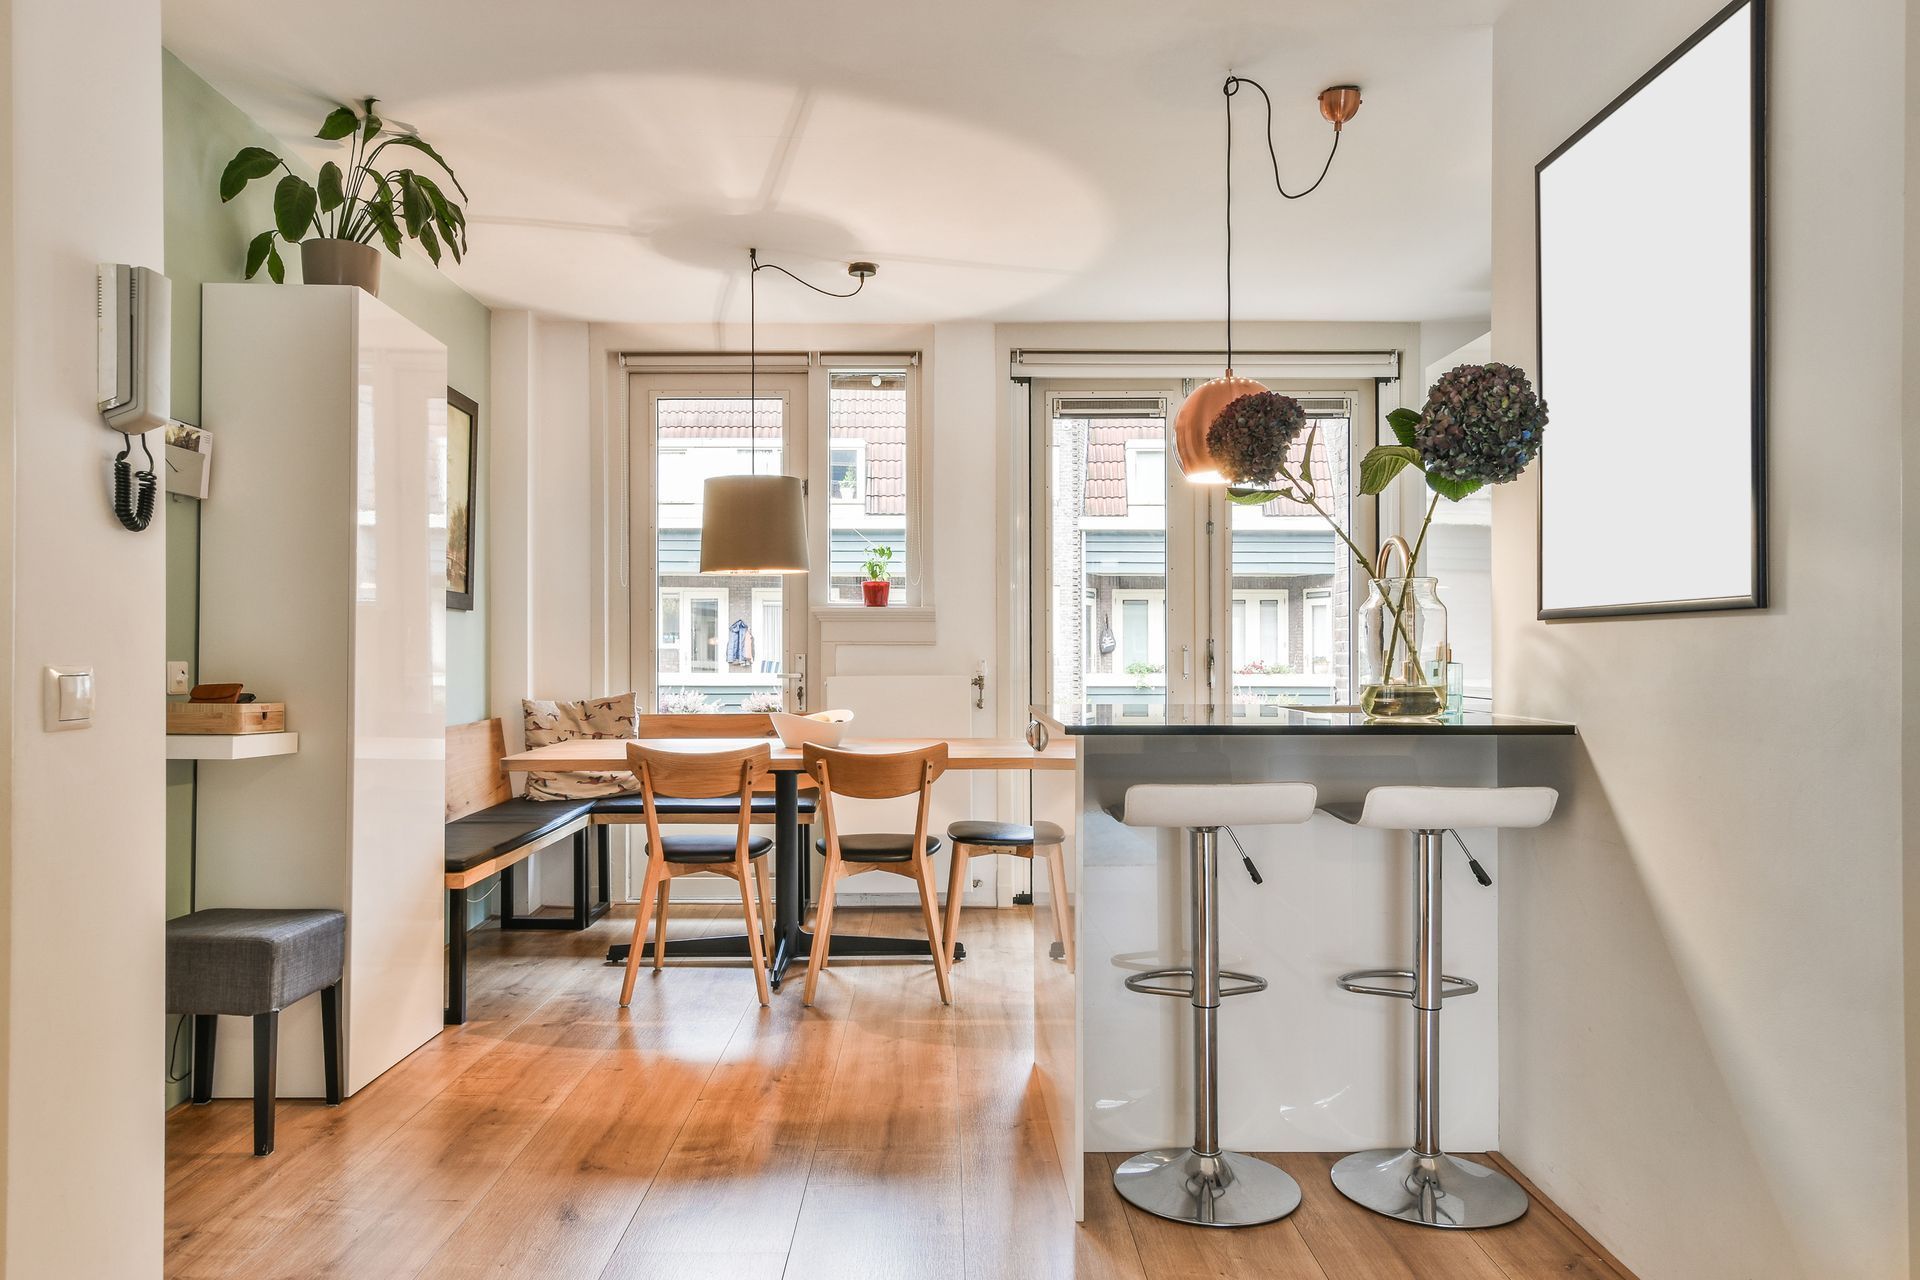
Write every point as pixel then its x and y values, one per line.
pixel 1204 403
pixel 755 523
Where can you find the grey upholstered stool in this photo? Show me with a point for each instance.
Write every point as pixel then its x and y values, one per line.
pixel 254 963
pixel 1422 1183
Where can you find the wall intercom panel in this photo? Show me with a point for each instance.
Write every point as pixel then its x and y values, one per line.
pixel 134 307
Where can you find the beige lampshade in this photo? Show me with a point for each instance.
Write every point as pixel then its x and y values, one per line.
pixel 753 524
pixel 1196 417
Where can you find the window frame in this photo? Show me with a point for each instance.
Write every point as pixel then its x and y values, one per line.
pixel 1135 450
pixel 843 621
pixel 1252 596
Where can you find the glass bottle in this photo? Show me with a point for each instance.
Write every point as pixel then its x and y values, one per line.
pixel 1403 650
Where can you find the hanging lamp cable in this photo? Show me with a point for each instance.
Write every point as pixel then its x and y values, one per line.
pixel 1228 90
pixel 753 341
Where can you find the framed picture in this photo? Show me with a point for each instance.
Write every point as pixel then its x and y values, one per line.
pixel 1651 225
pixel 463 419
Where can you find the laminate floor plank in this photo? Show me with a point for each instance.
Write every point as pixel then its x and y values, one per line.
pixel 696 1136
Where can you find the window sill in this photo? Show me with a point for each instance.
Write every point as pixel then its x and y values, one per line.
pixel 857 624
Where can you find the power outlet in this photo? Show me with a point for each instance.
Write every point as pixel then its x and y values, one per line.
pixel 177 678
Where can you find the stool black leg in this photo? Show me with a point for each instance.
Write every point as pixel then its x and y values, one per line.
pixel 457 956
pixel 266 1045
pixel 330 1040
pixel 205 1029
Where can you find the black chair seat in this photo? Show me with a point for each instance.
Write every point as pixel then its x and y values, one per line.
pixel 1005 833
pixel 879 847
pixel 500 829
pixel 707 850
pixel 669 806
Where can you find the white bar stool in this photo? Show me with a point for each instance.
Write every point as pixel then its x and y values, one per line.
pixel 1202 1184
pixel 1423 1184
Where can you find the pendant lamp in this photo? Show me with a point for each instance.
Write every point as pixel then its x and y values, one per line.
pixel 1204 403
pixel 755 523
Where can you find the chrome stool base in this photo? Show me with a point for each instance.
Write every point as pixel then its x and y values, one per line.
pixel 1432 1191
pixel 1226 1190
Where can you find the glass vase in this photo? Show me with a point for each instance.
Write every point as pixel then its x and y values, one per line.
pixel 1403 649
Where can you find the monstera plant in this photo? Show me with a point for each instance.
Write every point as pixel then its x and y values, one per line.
pixel 374 195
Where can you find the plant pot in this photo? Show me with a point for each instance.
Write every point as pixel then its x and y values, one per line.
pixel 875 591
pixel 340 262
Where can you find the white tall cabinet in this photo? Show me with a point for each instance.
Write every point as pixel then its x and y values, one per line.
pixel 322 585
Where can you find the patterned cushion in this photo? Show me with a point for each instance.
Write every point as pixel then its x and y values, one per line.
pixel 551 722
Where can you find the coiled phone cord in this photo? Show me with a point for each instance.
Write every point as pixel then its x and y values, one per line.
pixel 134 491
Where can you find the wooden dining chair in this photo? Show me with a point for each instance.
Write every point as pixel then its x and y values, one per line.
pixel 867 775
pixel 665 773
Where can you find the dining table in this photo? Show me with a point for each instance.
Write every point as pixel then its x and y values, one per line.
pixel 787 766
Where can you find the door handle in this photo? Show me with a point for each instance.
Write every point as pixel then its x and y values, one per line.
pixel 1186 662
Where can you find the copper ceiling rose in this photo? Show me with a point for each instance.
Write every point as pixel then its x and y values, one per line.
pixel 1196 417
pixel 1340 104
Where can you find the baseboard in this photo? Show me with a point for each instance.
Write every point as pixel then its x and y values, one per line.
pixel 1565 1219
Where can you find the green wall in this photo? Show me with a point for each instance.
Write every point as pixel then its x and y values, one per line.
pixel 206 243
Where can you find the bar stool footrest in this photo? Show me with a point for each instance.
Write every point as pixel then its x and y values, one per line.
pixel 1358 983
pixel 1232 983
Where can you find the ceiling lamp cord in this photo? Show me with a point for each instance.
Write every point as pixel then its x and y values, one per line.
pixel 1227 90
pixel 753 337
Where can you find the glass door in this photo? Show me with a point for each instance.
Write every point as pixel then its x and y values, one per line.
pixel 708 642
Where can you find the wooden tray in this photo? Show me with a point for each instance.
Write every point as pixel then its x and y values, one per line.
pixel 226 717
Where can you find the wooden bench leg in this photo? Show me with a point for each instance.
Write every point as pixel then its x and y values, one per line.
pixel 330 1040
pixel 206 1027
pixel 266 1045
pixel 457 956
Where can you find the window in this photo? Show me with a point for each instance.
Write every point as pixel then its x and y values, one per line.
pixel 690 631
pixel 869 468
pixel 1146 473
pixel 846 471
pixel 765 631
pixel 1317 651
pixel 1139 624
pixel 1260 633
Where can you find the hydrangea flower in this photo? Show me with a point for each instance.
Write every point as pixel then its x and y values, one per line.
pixel 1250 437
pixel 1482 425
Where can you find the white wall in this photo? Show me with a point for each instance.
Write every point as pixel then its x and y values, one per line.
pixel 1701 956
pixel 84 1141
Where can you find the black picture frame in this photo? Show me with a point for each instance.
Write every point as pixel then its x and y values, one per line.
pixel 1756 595
pixel 463 439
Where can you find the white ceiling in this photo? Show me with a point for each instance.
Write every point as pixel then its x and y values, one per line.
pixel 1000 159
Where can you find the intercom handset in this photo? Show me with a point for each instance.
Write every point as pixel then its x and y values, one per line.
pixel 133 307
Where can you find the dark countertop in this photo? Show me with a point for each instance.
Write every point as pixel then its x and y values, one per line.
pixel 1200 720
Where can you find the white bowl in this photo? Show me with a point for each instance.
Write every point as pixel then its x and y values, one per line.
pixel 823 728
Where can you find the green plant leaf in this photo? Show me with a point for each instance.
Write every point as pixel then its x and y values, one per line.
pixel 419 144
pixel 431 241
pixel 332 193
pixel 1403 422
pixel 257 250
pixel 373 125
pixel 339 123
pixel 276 269
pixel 293 206
pixel 1253 497
pixel 1384 462
pixel 414 206
pixel 249 163
pixel 1452 490
pixel 381 212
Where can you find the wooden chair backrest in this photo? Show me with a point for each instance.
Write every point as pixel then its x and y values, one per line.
pixel 698 775
pixel 474 779
pixel 723 724
pixel 875 775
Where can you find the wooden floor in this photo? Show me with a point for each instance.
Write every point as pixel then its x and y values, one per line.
pixel 697 1137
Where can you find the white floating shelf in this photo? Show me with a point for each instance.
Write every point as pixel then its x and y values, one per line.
pixel 230 746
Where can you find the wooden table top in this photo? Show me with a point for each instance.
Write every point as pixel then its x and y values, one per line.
pixel 601 755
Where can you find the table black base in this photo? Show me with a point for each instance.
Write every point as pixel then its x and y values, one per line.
pixel 798 946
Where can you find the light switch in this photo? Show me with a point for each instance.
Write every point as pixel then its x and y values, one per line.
pixel 177 678
pixel 68 698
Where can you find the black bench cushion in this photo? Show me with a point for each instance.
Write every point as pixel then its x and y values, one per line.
pixel 245 961
pixel 500 829
pixel 636 806
pixel 973 831
pixel 706 850
pixel 879 847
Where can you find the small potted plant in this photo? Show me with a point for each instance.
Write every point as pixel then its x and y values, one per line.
pixel 335 220
pixel 878 586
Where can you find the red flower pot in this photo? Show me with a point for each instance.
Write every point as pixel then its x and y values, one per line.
pixel 876 592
